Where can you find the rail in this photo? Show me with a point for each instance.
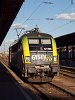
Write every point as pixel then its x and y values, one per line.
pixel 68 71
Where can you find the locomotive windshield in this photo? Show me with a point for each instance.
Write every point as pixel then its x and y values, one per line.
pixel 40 44
pixel 33 41
pixel 45 41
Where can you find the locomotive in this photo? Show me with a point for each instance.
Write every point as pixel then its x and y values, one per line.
pixel 34 54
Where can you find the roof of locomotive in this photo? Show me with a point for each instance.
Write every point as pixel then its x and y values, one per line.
pixel 36 34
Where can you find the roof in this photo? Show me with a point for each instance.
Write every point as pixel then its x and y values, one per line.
pixel 8 12
pixel 64 40
pixel 32 34
pixel 35 33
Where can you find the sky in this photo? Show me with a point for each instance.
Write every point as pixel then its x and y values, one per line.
pixel 55 17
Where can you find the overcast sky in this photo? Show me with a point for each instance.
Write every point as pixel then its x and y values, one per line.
pixel 55 17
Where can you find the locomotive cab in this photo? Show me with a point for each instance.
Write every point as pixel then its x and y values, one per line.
pixel 41 63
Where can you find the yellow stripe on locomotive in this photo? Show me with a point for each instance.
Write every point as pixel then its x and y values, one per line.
pixel 25 47
pixel 54 50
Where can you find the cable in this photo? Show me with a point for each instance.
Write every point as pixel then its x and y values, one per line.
pixel 37 9
pixel 62 12
pixel 62 25
pixel 33 12
pixel 39 6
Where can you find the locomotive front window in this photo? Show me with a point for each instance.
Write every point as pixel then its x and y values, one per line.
pixel 34 44
pixel 33 41
pixel 46 44
pixel 45 41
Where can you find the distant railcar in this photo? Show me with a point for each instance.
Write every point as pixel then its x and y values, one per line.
pixel 67 55
pixel 35 55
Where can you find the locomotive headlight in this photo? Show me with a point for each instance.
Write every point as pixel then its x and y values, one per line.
pixel 55 59
pixel 27 59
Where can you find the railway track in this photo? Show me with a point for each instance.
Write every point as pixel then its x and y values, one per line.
pixel 46 91
pixel 50 92
pixel 67 71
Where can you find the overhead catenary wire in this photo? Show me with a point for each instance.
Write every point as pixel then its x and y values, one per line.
pixel 32 13
pixel 50 18
pixel 43 1
pixel 62 25
pixel 70 5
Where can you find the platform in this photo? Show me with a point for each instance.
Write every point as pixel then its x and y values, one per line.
pixel 8 88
